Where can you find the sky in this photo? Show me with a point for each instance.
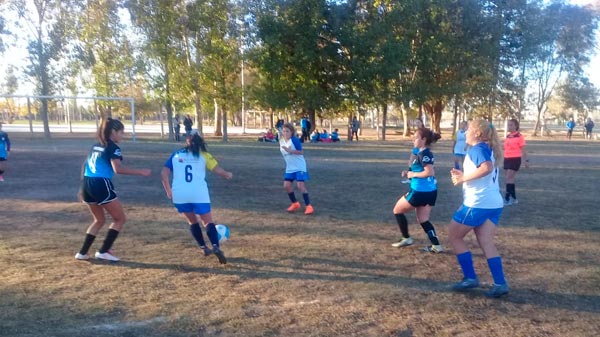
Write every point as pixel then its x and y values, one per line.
pixel 17 56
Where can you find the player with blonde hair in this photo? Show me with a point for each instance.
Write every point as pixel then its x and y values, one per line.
pixel 481 208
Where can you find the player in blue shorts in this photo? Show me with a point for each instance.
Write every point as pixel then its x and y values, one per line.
pixel 189 191
pixel 423 191
pixel 4 150
pixel 295 168
pixel 97 190
pixel 481 208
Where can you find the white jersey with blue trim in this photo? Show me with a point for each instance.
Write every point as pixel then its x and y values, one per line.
pixel 189 176
pixel 482 192
pixel 98 163
pixel 293 162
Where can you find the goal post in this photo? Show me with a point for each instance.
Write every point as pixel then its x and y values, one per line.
pixel 95 98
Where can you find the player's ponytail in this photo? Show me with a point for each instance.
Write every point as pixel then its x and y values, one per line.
pixel 430 136
pixel 488 133
pixel 108 124
pixel 196 144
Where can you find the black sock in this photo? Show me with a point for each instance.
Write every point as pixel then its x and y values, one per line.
pixel 213 236
pixel 292 197
pixel 430 231
pixel 306 200
pixel 403 224
pixel 87 243
pixel 197 234
pixel 507 194
pixel 111 236
pixel 513 191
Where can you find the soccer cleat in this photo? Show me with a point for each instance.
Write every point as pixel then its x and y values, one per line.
pixel 406 181
pixel 403 243
pixel 514 201
pixel 294 206
pixel 79 256
pixel 309 210
pixel 497 290
pixel 508 202
pixel 466 283
pixel 106 256
pixel 434 249
pixel 220 255
pixel 207 251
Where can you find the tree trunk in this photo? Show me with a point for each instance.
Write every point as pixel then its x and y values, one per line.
pixel 217 119
pixel 383 121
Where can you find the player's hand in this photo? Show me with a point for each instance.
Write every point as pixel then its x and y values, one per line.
pixel 145 172
pixel 405 173
pixel 457 176
pixel 80 196
pixel 228 175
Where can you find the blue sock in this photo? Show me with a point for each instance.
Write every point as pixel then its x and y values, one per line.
pixel 457 166
pixel 213 236
pixel 306 200
pixel 466 264
pixel 197 234
pixel 495 264
pixel 292 197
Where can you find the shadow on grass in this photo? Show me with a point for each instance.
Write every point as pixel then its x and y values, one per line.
pixel 252 269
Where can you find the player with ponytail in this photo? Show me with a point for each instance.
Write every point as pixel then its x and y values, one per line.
pixel 481 208
pixel 97 190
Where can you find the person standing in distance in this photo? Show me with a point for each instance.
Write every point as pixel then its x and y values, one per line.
pixel 481 208
pixel 4 150
pixel 97 190
pixel 460 145
pixel 570 127
pixel 514 152
pixel 295 168
pixel 354 126
pixel 187 123
pixel 189 191
pixel 423 192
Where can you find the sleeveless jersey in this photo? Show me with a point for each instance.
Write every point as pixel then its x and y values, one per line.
pixel 98 163
pixel 483 192
pixel 189 176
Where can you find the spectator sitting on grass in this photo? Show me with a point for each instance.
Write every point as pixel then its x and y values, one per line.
pixel 324 137
pixel 269 136
pixel 315 136
pixel 335 136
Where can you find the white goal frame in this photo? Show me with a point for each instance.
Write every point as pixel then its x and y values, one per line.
pixel 130 99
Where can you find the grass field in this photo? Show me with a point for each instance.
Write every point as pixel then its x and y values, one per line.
pixel 330 274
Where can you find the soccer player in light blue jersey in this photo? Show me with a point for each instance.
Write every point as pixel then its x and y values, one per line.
pixel 481 208
pixel 189 191
pixel 4 150
pixel 423 191
pixel 98 192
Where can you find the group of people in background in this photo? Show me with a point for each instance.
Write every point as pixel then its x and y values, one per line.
pixel 588 127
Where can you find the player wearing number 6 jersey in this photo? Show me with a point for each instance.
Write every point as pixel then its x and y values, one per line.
pixel 481 207
pixel 189 191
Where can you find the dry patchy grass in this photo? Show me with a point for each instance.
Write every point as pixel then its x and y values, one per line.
pixel 330 274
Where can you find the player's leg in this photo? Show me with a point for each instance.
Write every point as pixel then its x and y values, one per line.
pixel 115 209
pixel 302 188
pixel 196 231
pixel 423 213
pixel 92 230
pixel 456 233
pixel 401 207
pixel 213 236
pixel 485 237
pixel 289 189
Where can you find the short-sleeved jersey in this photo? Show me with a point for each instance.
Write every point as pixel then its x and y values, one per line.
pixel 513 144
pixel 189 176
pixel 293 162
pixel 571 125
pixel 422 159
pixel 483 192
pixel 4 144
pixel 98 163
pixel 461 142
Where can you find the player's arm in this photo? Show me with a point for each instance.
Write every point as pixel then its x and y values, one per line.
pixel 165 174
pixel 221 172
pixel 483 170
pixel 120 169
pixel 428 171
